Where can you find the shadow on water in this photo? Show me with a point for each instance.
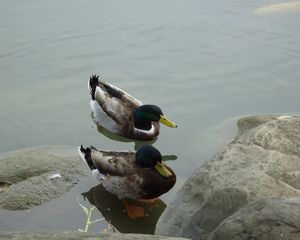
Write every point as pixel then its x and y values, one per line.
pixel 114 211
pixel 137 144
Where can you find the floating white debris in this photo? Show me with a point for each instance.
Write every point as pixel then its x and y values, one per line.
pixel 55 175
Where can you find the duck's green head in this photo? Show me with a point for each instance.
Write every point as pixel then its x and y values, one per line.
pixel 148 156
pixel 145 114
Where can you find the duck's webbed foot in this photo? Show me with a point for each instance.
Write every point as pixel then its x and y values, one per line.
pixel 134 211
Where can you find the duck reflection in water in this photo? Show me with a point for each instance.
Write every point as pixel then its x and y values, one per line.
pixel 131 175
pixel 114 211
pixel 137 144
pixel 118 138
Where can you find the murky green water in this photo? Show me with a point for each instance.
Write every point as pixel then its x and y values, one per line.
pixel 204 63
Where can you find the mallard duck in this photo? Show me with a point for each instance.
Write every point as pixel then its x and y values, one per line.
pixel 122 114
pixel 136 175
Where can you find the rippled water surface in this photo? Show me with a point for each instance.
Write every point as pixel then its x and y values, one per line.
pixel 203 62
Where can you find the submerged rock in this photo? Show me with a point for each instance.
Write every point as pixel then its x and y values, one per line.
pixel 271 218
pixel 263 161
pixel 32 176
pixel 80 236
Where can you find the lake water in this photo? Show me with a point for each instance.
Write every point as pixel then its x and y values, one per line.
pixel 205 63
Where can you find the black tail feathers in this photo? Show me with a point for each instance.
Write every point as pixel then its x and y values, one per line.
pixel 94 80
pixel 87 156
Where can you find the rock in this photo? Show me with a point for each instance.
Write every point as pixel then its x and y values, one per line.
pixel 263 161
pixel 271 218
pixel 80 236
pixel 32 176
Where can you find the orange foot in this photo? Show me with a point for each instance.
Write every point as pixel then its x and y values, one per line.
pixel 134 211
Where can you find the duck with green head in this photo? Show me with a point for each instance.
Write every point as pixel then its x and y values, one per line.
pixel 136 175
pixel 122 114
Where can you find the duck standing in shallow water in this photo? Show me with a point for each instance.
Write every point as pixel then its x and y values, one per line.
pixel 137 175
pixel 120 113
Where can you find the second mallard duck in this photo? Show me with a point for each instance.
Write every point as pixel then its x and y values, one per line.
pixel 120 113
pixel 135 175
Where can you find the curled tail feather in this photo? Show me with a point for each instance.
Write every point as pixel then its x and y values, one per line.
pixel 93 83
pixel 85 154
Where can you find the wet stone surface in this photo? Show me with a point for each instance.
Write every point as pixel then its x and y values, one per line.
pixel 80 236
pixel 32 176
pixel 263 161
pixel 268 218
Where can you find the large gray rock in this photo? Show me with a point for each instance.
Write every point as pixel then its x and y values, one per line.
pixel 271 218
pixel 80 236
pixel 262 161
pixel 32 176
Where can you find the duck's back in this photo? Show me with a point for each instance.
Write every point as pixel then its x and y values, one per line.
pixel 113 108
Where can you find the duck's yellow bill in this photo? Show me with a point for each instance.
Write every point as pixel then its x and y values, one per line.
pixel 160 167
pixel 164 120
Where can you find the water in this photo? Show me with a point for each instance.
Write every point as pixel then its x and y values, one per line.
pixel 204 63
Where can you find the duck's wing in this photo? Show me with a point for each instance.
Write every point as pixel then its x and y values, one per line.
pixel 124 186
pixel 119 163
pixel 116 103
